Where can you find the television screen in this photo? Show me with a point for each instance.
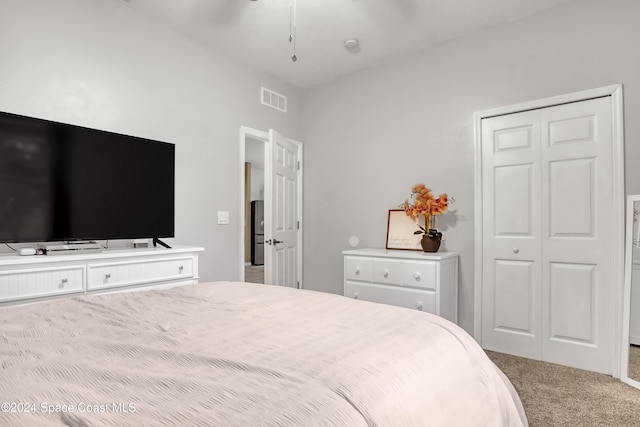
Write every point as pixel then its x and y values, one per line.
pixel 61 182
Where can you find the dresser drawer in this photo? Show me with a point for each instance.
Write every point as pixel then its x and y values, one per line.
pixel 387 271
pixel 420 274
pixel 402 297
pixel 110 275
pixel 357 268
pixel 40 282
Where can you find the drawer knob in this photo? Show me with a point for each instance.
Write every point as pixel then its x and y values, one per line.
pixel 417 277
pixel 355 295
pixel 357 270
pixel 419 305
pixel 385 273
pixel 64 280
pixel 516 250
pixel 180 268
pixel 107 276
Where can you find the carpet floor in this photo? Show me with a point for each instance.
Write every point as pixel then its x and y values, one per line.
pixel 554 395
pixel 254 273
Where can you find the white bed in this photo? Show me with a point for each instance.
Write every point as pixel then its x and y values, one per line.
pixel 239 354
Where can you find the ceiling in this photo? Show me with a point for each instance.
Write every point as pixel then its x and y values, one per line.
pixel 257 32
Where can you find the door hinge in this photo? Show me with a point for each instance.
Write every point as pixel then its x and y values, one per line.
pixel 298 164
pixel 298 285
pixel 298 225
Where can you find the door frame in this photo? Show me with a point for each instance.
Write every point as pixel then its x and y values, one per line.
pixel 248 132
pixel 617 220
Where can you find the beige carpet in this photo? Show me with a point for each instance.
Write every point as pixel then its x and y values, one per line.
pixel 555 395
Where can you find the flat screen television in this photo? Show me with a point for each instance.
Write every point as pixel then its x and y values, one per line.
pixel 60 182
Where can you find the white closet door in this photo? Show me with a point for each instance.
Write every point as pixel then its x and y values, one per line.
pixel 511 234
pixel 577 253
pixel 547 252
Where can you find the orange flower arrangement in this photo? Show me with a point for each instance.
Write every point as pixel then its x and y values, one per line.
pixel 424 203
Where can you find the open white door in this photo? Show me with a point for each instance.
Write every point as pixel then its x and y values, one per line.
pixel 282 204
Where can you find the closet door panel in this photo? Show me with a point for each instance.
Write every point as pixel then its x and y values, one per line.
pixel 572 303
pixel 511 234
pixel 513 302
pixel 577 257
pixel 513 206
pixel 572 195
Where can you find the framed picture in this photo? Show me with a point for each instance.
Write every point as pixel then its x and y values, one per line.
pixel 400 229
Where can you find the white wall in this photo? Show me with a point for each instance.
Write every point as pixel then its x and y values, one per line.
pixel 99 64
pixel 371 135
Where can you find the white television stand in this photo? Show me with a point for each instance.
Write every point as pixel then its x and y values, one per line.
pixel 35 278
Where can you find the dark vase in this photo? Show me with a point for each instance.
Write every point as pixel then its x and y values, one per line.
pixel 430 244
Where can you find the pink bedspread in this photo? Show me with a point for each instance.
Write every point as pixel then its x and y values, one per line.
pixel 238 354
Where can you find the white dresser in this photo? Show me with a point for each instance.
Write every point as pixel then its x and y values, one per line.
pixel 412 279
pixel 30 278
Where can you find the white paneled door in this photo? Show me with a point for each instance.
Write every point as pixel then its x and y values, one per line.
pixel 548 251
pixel 281 248
pixel 512 229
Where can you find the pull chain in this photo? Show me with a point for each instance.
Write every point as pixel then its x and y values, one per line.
pixel 292 27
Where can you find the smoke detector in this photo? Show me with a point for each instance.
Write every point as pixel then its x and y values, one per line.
pixel 351 44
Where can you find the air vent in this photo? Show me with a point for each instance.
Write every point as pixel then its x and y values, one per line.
pixel 274 100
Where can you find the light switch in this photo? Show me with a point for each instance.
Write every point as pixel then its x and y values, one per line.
pixel 223 217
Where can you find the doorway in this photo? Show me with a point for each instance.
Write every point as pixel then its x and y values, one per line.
pixel 271 208
pixel 254 176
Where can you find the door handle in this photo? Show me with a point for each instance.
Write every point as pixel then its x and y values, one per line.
pixel 274 242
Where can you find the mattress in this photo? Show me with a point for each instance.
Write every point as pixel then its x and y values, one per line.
pixel 240 354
